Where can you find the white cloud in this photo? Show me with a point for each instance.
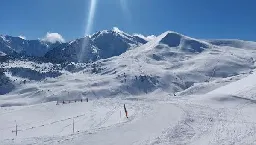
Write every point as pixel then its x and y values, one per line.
pixel 22 37
pixel 148 38
pixel 53 38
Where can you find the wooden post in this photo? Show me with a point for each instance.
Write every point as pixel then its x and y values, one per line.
pixel 73 125
pixel 16 130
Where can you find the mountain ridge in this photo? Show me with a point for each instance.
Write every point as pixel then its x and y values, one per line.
pixel 108 43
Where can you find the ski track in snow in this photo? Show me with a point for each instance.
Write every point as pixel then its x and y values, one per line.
pixel 160 123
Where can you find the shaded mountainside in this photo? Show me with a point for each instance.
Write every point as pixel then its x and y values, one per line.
pixel 16 45
pixel 6 85
pixel 101 45
pixel 173 39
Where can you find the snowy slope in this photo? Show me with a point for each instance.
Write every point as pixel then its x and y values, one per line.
pixel 244 88
pixel 233 43
pixel 177 90
pixel 154 120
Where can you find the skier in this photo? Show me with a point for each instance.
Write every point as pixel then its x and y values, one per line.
pixel 126 113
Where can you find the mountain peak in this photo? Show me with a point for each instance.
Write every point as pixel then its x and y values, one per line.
pixel 170 38
pixel 114 31
pixel 185 43
pixel 117 30
pixel 171 32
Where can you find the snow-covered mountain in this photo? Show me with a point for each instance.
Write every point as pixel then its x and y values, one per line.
pixel 101 45
pixel 171 62
pixel 16 45
pixel 233 43
pixel 177 90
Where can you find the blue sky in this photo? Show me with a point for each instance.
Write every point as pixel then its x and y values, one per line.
pixel 196 18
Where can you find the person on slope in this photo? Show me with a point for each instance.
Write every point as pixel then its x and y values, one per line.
pixel 126 113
